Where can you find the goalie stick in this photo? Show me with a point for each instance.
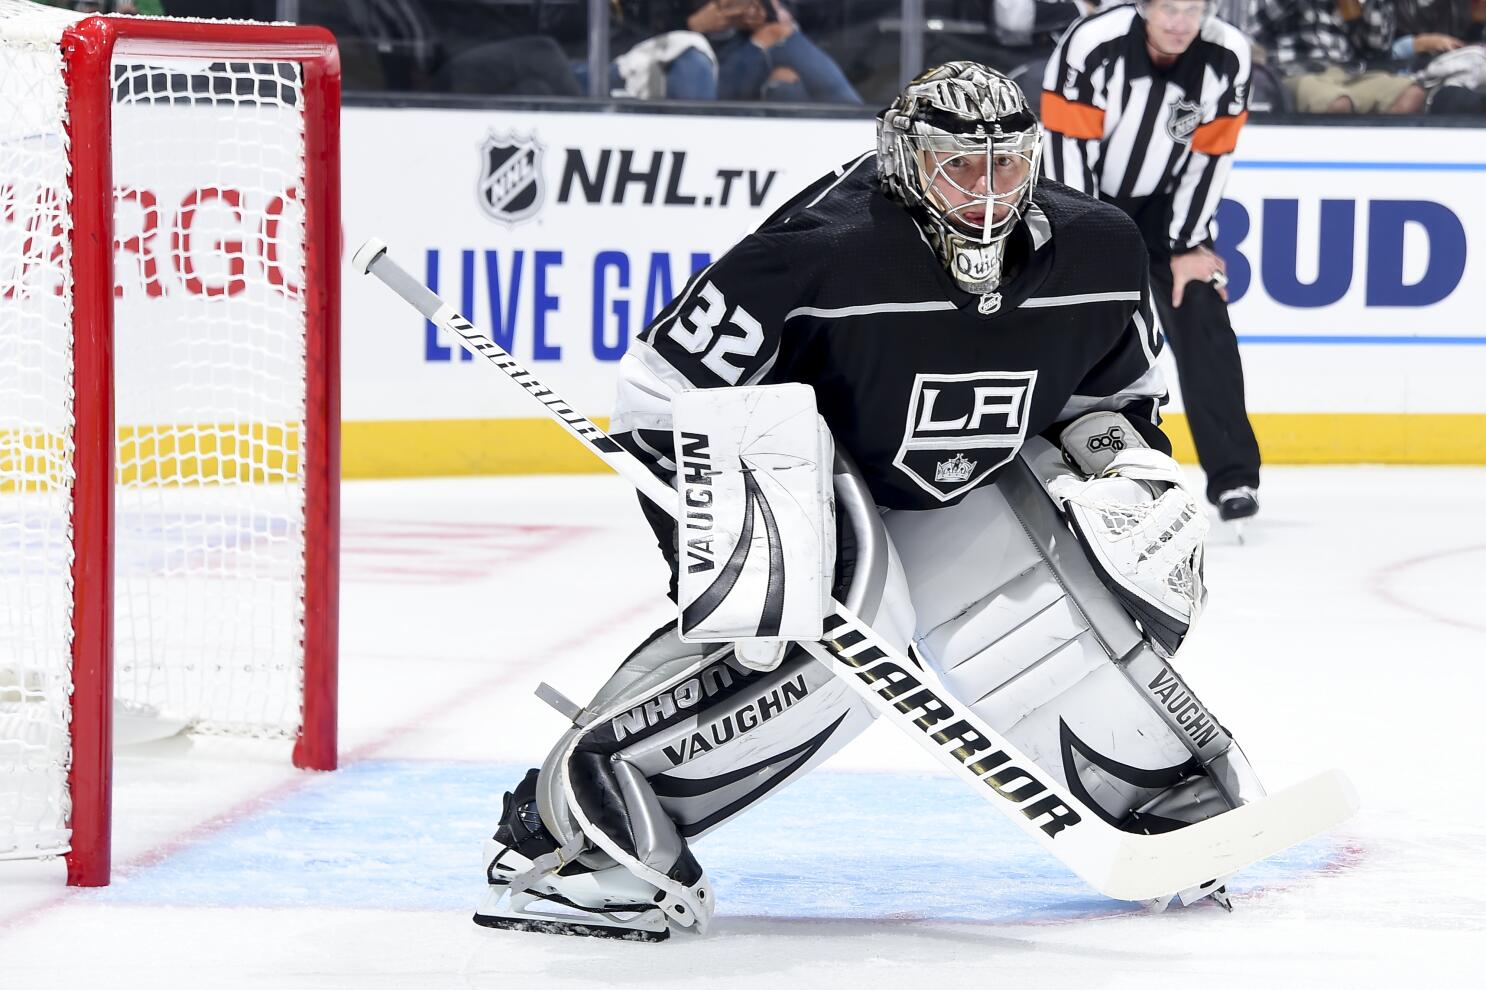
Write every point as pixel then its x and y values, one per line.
pixel 1121 865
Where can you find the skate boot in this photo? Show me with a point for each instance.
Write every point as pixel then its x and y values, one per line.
pixel 537 886
pixel 1236 505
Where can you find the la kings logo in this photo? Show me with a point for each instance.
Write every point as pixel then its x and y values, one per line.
pixel 960 428
pixel 1182 118
pixel 510 188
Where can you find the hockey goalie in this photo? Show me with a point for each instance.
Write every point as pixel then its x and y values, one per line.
pixel 927 387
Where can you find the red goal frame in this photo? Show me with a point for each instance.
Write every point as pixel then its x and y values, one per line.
pixel 88 48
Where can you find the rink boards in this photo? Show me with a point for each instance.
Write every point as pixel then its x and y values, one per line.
pixel 1355 293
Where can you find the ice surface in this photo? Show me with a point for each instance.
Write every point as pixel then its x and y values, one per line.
pixel 1350 631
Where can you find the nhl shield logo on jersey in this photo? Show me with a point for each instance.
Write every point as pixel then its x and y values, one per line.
pixel 510 188
pixel 1182 118
pixel 960 428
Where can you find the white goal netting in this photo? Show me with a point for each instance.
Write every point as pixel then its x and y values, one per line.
pixel 209 378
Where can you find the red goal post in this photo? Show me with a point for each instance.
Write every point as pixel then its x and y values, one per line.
pixel 201 447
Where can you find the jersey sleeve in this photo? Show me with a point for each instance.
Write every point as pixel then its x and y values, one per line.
pixel 1127 379
pixel 1073 106
pixel 1199 187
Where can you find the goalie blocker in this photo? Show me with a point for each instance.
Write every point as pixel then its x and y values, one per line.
pixel 1011 619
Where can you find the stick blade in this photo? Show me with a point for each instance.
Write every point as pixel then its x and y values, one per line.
pixel 1150 866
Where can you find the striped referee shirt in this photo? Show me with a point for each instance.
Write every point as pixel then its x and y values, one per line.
pixel 1155 141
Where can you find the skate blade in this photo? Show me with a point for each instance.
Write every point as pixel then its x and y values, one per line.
pixel 553 926
pixel 518 913
pixel 1237 528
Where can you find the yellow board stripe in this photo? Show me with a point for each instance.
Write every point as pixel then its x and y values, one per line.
pixel 1355 438
pixel 441 447
pixel 215 453
pixel 410 449
pixel 161 456
pixel 431 448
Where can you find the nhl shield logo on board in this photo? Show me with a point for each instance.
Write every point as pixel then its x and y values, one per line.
pixel 510 188
pixel 960 428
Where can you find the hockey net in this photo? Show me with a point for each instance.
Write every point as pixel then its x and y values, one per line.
pixel 215 331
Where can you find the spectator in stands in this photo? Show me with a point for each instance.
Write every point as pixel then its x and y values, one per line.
pixel 384 44
pixel 763 54
pixel 1325 49
pixel 1239 13
pixel 1436 37
pixel 1025 32
pixel 659 55
pixel 1034 23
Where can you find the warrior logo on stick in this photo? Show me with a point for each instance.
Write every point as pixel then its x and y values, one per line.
pixel 510 188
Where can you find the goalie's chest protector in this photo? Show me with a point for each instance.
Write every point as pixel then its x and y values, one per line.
pixel 931 389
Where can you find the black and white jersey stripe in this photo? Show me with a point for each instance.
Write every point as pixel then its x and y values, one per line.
pixel 1120 129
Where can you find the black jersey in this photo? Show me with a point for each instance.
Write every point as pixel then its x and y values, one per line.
pixel 929 395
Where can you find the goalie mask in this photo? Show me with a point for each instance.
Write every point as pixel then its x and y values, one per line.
pixel 960 149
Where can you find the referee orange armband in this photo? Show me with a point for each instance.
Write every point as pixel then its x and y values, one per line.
pixel 1070 119
pixel 1218 136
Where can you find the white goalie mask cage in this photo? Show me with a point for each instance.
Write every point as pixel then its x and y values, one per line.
pixel 961 143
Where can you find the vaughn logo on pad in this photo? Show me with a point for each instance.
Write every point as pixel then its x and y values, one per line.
pixel 960 428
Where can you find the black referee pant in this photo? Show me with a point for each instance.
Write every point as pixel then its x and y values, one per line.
pixel 1207 361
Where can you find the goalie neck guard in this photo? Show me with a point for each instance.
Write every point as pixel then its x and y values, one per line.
pixel 961 150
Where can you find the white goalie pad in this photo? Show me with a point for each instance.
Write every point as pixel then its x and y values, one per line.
pixel 756 535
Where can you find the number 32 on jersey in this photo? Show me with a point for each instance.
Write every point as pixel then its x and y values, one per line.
pixel 699 331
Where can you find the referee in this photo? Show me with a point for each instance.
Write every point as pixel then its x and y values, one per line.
pixel 1142 105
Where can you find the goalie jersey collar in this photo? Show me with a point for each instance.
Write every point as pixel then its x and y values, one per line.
pixel 888 252
pixel 1028 261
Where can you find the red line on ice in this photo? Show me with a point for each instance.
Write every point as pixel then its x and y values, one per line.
pixel 1383 576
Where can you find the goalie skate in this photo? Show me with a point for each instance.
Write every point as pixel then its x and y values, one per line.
pixel 536 886
pixel 1215 890
pixel 604 904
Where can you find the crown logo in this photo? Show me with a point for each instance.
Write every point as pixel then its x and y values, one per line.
pixel 955 470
